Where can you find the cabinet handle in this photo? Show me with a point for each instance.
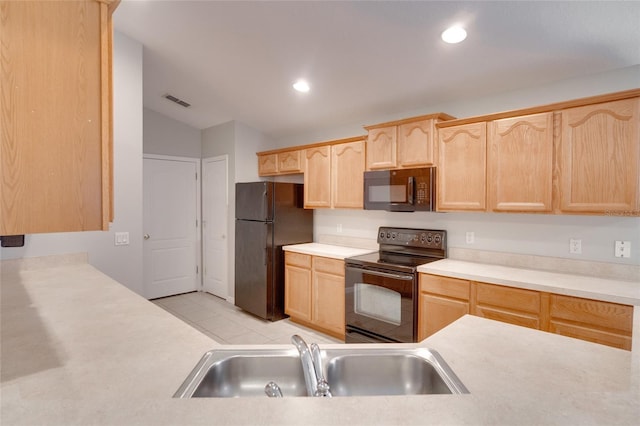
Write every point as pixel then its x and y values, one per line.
pixel 147 236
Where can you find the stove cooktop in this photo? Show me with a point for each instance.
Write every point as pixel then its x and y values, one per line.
pixel 404 249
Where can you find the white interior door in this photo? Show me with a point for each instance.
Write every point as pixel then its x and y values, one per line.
pixel 215 203
pixel 170 223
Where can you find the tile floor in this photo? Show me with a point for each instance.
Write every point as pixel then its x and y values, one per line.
pixel 228 324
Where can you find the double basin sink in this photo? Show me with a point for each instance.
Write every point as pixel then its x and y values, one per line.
pixel 350 371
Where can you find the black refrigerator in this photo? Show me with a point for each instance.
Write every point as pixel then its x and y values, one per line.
pixel 269 215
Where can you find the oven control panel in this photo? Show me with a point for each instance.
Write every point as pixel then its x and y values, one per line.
pixel 427 238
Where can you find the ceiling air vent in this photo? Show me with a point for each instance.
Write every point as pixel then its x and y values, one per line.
pixel 177 100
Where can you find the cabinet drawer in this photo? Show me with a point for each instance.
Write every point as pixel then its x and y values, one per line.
pixel 609 338
pixel 516 318
pixel 330 266
pixel 595 312
pixel 452 287
pixel 298 259
pixel 508 297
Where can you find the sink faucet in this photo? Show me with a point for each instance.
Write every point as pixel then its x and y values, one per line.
pixel 312 367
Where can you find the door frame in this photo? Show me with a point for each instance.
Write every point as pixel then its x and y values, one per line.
pixel 198 184
pixel 230 227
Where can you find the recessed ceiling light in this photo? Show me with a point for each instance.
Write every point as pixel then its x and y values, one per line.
pixel 454 35
pixel 301 86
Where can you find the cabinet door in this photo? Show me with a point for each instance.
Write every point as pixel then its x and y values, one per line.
pixel 436 312
pixel 462 167
pixel 267 164
pixel 416 144
pixel 317 177
pixel 56 116
pixel 289 162
pixel 328 299
pixel 442 300
pixel 521 163
pixel 347 168
pixel 297 292
pixel 599 156
pixel 381 148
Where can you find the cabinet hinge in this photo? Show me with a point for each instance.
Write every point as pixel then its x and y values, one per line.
pixel 197 269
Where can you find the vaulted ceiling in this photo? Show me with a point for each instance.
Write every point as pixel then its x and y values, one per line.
pixel 237 60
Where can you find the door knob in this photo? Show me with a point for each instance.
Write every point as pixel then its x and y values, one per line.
pixel 147 236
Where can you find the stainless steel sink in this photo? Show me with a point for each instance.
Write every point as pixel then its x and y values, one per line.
pixel 350 371
pixel 391 372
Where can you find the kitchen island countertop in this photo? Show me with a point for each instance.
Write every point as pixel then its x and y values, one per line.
pixel 79 348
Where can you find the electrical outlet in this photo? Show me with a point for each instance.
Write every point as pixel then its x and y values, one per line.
pixel 623 249
pixel 575 246
pixel 339 228
pixel 471 237
pixel 122 239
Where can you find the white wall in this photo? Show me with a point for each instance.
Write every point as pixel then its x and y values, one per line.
pixel 123 263
pixel 544 235
pixel 165 136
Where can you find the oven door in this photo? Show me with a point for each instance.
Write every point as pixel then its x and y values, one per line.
pixel 380 305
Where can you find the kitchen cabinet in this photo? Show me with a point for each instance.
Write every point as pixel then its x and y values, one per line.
pixel 462 168
pixel 328 295
pixel 404 143
pixel 314 292
pixel 333 175
pixel 599 158
pixel 596 321
pixel 297 289
pixel 443 300
pixel 56 146
pixel 317 177
pixel 520 163
pixel 512 305
pixel 281 162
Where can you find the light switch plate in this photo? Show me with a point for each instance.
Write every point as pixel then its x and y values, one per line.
pixel 122 238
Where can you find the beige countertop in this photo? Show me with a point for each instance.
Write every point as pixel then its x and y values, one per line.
pixel 327 250
pixel 610 290
pixel 78 348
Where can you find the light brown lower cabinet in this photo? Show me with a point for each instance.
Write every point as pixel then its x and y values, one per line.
pixel 443 300
pixel 314 292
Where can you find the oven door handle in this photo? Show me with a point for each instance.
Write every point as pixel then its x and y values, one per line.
pixel 385 274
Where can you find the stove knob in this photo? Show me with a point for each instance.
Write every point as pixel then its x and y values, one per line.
pixel 438 239
pixel 381 235
pixel 388 234
pixel 393 235
pixel 429 238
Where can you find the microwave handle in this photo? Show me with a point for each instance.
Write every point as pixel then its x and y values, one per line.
pixel 410 185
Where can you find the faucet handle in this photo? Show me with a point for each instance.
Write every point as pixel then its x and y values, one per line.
pixel 322 387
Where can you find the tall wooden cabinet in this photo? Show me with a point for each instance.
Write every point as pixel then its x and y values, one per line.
pixel 520 163
pixel 599 158
pixel 56 146
pixel 462 168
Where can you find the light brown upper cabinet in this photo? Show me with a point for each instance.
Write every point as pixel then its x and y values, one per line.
pixel 56 146
pixel 599 158
pixel 462 167
pixel 334 174
pixel 520 163
pixel 347 172
pixel 404 143
pixel 280 162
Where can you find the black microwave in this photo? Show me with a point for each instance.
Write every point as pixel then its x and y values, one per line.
pixel 402 190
